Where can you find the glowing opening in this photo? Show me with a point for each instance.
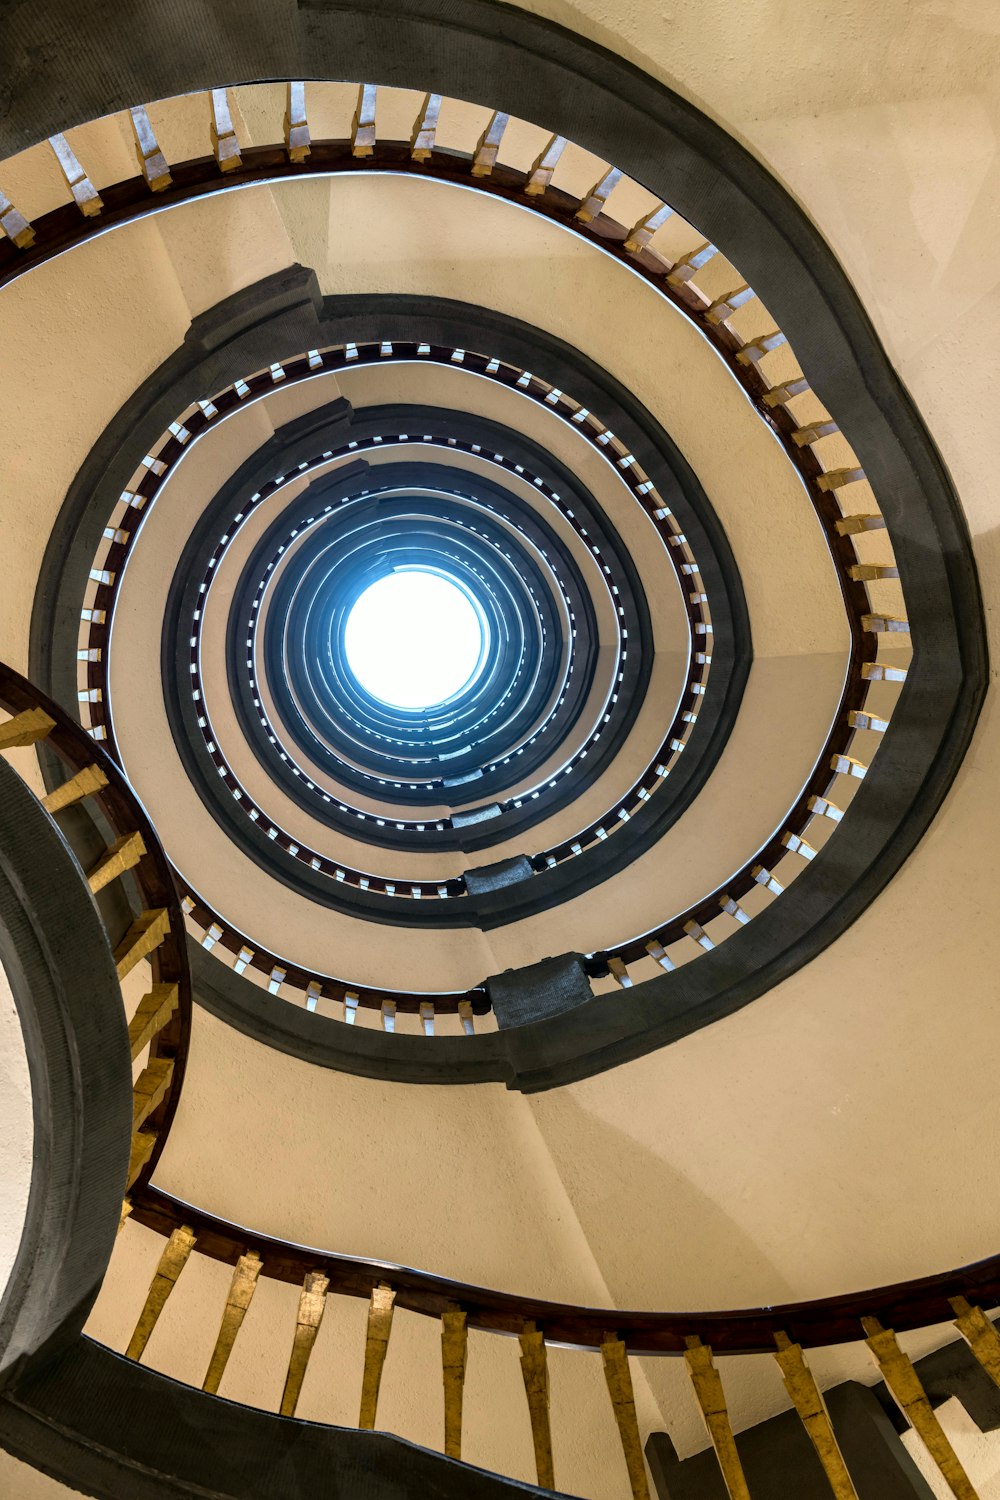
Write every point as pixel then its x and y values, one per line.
pixel 414 639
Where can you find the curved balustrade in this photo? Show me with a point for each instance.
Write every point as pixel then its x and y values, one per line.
pixel 785 1331
pixel 160 1026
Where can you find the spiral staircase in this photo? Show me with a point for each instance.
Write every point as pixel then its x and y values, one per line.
pixel 368 1066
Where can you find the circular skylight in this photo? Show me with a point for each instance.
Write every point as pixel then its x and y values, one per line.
pixel 413 639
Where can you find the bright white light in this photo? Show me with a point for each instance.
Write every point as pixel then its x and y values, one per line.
pixel 413 639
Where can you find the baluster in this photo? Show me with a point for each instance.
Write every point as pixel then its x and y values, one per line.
pixel 754 349
pixel 484 157
pixel 823 808
pixel 711 1398
pixel 689 265
pixel 640 234
pixel 150 1089
pixel 616 1372
pixel 25 728
pixel 425 128
pixel 224 142
pixel 885 624
pixel 467 1017
pixel 803 437
pixel 427 1017
pixel 126 1211
pixel 724 307
pixel 904 1384
pixel 598 196
pixel 835 479
pixel 380 1311
pixel 124 854
pixel 388 1015
pixel 535 1372
pixel 779 394
pixel 172 1262
pixel 83 784
pixel 656 950
pixel 619 973
pixel 734 909
pixel 146 933
pixel 541 173
pixel 363 125
pixel 454 1357
pixel 809 1403
pixel 697 933
pixel 875 671
pixel 846 765
pixel 981 1335
pixel 868 572
pixel 85 195
pixel 153 1012
pixel 297 140
pixel 312 1303
pixel 241 1290
pixel 851 525
pixel 143 1142
pixel 859 720
pixel 14 225
pixel 152 162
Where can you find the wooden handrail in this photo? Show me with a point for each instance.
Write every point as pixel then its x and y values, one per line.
pixel 162 1022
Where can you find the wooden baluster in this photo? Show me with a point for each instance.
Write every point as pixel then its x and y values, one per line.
pixel 598 196
pixel 851 525
pixel 619 973
pixel 885 624
pixel 535 1372
pixel 869 572
pixel 14 225
pixel 802 437
pixel 425 129
pixel 152 162
pixel 835 479
pixel 224 142
pixel 809 1403
pixel 312 1304
pixel 172 1262
pixel 541 173
pixel 83 784
pixel 846 765
pixel 484 157
pixel 904 1384
pixel 467 1017
pixel 981 1335
pixel 711 1398
pixel 363 126
pixel 124 854
pixel 85 195
pixel 388 1015
pixel 126 1210
pixel 454 1356
pixel 616 1372
pixel 241 1290
pixel 143 1142
pixel 298 143
pixel 753 350
pixel 876 671
pixel 150 1089
pixel 146 933
pixel 25 728
pixel 640 234
pixel 689 265
pixel 380 1311
pixel 427 1017
pixel 152 1014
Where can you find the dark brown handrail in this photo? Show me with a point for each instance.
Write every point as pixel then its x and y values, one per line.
pixel 126 817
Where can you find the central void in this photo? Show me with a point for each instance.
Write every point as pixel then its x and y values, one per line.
pixel 414 639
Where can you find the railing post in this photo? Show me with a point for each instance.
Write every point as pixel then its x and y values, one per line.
pixel 312 1304
pixel 980 1334
pixel 535 1372
pixel 454 1355
pixel 619 1379
pixel 708 1388
pixel 380 1311
pixel 172 1262
pixel 808 1402
pixel 241 1290
pixel 904 1383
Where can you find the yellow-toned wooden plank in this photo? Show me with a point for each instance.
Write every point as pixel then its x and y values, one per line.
pixel 154 1011
pixel 152 162
pixel 535 1372
pixel 126 1210
pixel 598 196
pixel 711 1398
pixel 143 1142
pixel 224 142
pixel 25 728
pixel 241 1290
pixel 425 128
pixel 454 1354
pixel 14 225
pixel 363 125
pixel 85 195
pixel 150 1088
pixel 980 1334
pixel 618 1376
pixel 904 1383
pixel 124 854
pixel 146 933
pixel 297 140
pixel 312 1303
pixel 484 158
pixel 83 784
pixel 808 1402
pixel 172 1262
pixel 380 1311
pixel 541 172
